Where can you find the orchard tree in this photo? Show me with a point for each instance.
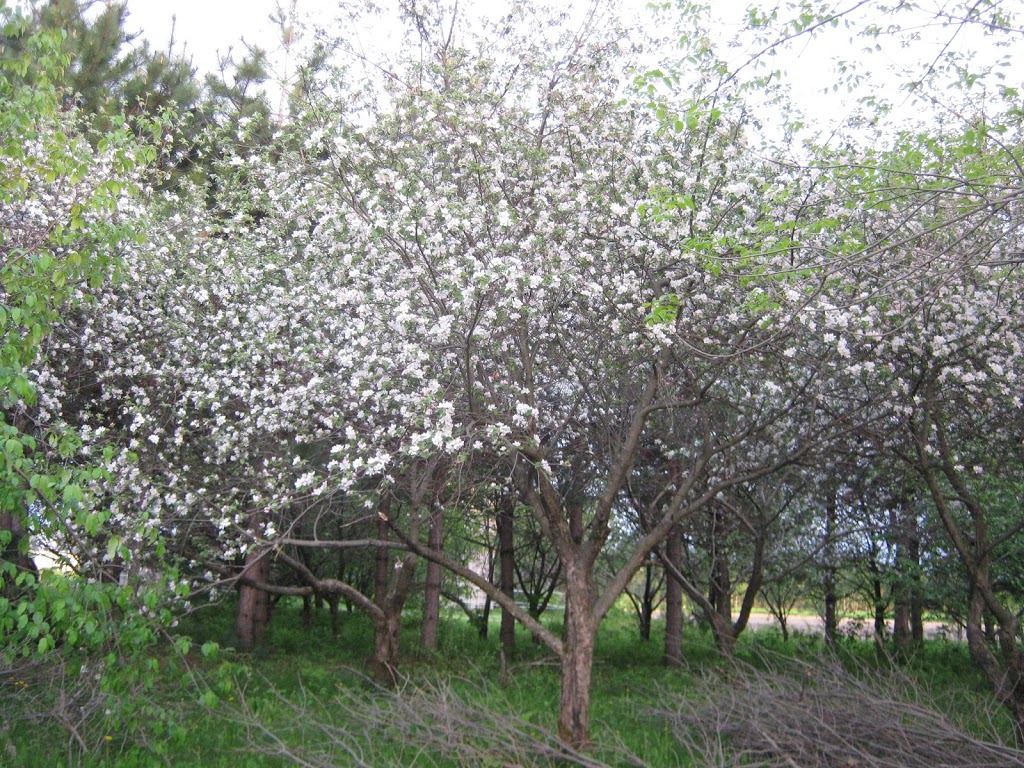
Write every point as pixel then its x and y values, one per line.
pixel 578 279
pixel 938 350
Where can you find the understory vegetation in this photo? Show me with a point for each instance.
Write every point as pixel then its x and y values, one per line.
pixel 305 698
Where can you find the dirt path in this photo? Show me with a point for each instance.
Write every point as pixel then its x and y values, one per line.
pixel 814 625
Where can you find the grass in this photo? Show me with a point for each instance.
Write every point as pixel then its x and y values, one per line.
pixel 207 712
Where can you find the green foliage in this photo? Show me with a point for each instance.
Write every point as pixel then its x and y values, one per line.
pixel 67 215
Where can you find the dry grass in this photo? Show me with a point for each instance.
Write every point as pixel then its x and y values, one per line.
pixel 816 714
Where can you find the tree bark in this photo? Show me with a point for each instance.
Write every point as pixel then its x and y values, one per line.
pixel 386 643
pixel 253 603
pixel 382 573
pixel 673 654
pixel 506 554
pixel 831 598
pixel 432 589
pixel 577 661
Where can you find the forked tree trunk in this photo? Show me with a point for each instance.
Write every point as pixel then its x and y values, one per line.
pixel 386 643
pixel 673 655
pixel 724 633
pixel 432 588
pixel 253 603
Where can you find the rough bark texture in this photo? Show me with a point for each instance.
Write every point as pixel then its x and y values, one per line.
pixel 720 586
pixel 673 655
pixel 506 554
pixel 253 603
pixel 973 544
pixel 383 564
pixel 386 635
pixel 831 598
pixel 432 588
pixel 907 582
pixel 577 661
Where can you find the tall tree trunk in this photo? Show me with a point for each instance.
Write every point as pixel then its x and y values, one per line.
pixel 432 589
pixel 831 602
pixel 1005 673
pixel 754 581
pixel 506 555
pixel 720 587
pixel 831 598
pixel 647 601
pixel 575 516
pixel 907 581
pixel 880 626
pixel 382 572
pixel 673 655
pixel 307 612
pixel 393 585
pixel 577 662
pixel 877 597
pixel 253 603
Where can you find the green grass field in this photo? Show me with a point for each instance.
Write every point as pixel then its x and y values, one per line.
pixel 304 699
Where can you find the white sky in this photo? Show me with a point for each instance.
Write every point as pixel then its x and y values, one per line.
pixel 209 27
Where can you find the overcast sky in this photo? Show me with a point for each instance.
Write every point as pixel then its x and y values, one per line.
pixel 209 27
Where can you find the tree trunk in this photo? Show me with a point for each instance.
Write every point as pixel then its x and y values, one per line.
pixel 724 632
pixel 907 622
pixel 386 639
pixel 720 587
pixel 673 656
pixel 483 628
pixel 880 625
pixel 253 604
pixel 1005 673
pixel 754 581
pixel 506 555
pixel 575 516
pixel 432 589
pixel 831 601
pixel 721 617
pixel 382 573
pixel 647 602
pixel 877 598
pixel 333 603
pixel 577 662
